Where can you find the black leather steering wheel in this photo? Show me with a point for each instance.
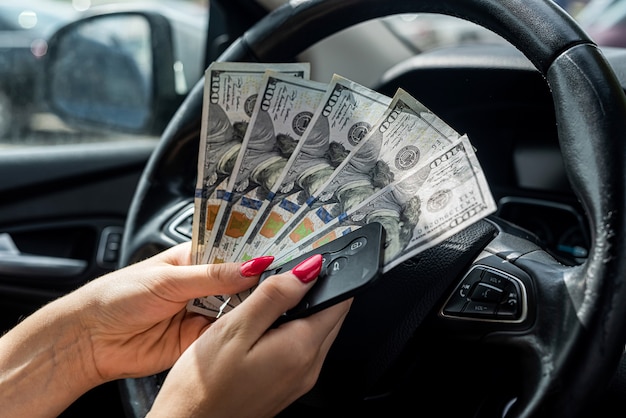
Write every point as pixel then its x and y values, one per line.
pixel 572 332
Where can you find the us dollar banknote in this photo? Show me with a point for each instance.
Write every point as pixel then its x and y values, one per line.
pixel 445 195
pixel 230 93
pixel 346 114
pixel 407 134
pixel 282 114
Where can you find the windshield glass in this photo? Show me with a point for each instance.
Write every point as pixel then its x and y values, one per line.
pixel 604 21
pixel 26 27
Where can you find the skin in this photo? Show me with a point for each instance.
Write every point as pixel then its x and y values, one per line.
pixel 133 323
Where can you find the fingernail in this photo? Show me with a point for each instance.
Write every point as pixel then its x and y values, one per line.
pixel 256 265
pixel 309 269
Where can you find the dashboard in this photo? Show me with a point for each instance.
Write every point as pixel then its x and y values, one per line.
pixel 495 95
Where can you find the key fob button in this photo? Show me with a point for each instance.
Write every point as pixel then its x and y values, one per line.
pixel 326 259
pixel 336 265
pixel 356 246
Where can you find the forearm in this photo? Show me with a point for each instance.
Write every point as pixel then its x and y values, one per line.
pixel 45 363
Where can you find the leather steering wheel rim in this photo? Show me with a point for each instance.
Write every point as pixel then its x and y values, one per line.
pixel 587 314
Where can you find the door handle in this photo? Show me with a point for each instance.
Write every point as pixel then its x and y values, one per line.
pixel 15 263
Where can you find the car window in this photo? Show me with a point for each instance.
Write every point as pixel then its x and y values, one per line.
pixel 425 31
pixel 397 38
pixel 27 114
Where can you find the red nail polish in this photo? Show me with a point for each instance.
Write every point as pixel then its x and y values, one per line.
pixel 256 265
pixel 309 269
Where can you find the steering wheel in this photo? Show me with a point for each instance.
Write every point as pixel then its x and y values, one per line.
pixel 567 331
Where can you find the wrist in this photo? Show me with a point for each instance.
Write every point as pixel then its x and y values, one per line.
pixel 47 354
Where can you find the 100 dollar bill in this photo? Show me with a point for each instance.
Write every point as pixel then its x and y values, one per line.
pixel 346 114
pixel 282 114
pixel 444 196
pixel 230 94
pixel 407 134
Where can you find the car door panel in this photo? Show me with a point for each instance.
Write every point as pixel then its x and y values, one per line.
pixel 61 223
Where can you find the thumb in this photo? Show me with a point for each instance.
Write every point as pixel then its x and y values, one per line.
pixel 181 282
pixel 276 295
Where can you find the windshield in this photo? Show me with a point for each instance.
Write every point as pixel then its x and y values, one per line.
pixel 25 27
pixel 604 21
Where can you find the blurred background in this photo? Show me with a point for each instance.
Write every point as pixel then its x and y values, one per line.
pixel 26 26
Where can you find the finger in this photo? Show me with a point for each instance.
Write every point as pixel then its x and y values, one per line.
pixel 322 327
pixel 332 317
pixel 307 341
pixel 187 282
pixel 276 295
pixel 184 282
pixel 178 255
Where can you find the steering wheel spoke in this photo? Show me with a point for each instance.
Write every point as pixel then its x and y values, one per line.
pixel 165 228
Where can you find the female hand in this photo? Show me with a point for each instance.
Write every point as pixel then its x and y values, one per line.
pixel 129 323
pixel 136 319
pixel 241 366
pixel 133 322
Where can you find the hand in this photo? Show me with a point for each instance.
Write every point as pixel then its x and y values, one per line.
pixel 241 367
pixel 129 323
pixel 136 317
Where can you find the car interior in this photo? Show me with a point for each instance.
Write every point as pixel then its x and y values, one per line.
pixel 544 106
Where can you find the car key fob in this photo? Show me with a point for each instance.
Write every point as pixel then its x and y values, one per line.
pixel 351 263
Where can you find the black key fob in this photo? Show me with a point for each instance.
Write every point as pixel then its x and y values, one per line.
pixel 351 263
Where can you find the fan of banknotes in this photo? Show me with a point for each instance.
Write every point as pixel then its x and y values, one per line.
pixel 287 164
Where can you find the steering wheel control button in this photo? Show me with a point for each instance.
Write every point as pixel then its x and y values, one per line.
pixel 455 305
pixel 509 308
pixel 493 278
pixel 480 308
pixel 486 294
pixel 470 280
pixel 461 295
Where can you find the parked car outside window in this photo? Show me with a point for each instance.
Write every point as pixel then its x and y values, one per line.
pixel 25 28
